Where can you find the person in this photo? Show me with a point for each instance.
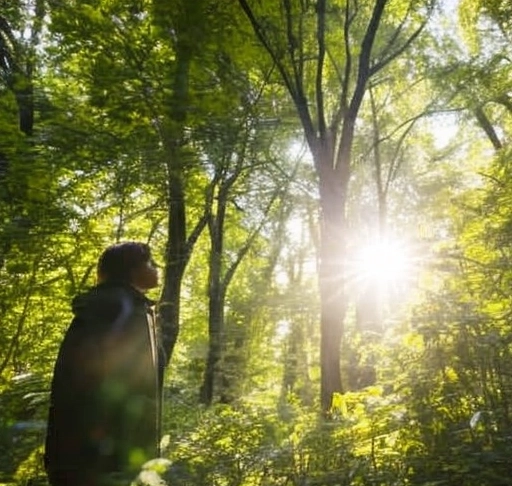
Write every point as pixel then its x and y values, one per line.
pixel 106 394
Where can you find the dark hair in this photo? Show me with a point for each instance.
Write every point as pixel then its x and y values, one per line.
pixel 117 262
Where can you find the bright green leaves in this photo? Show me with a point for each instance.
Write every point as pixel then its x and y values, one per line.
pixel 481 19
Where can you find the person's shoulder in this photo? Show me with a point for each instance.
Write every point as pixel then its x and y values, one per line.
pixel 127 292
pixel 103 301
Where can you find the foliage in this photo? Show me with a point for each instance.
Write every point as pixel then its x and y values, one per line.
pixel 93 129
pixel 255 446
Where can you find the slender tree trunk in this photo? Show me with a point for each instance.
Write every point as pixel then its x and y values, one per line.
pixel 177 255
pixel 176 260
pixel 216 298
pixel 215 335
pixel 169 309
pixel 181 23
pixel 377 159
pixel 221 273
pixel 24 92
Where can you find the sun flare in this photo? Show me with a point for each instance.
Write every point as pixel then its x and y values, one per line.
pixel 385 262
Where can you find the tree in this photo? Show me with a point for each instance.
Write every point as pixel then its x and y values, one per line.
pixel 239 176
pixel 473 72
pixel 32 214
pixel 326 71
pixel 143 98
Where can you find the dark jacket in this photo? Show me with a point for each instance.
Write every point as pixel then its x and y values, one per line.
pixel 105 408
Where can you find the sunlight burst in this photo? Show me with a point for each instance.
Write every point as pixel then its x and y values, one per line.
pixel 385 262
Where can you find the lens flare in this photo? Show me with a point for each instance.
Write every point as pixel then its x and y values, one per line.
pixel 384 262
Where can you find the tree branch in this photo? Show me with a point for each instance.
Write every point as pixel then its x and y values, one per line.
pixel 320 35
pixel 296 90
pixel 486 125
pixel 393 55
pixel 363 74
pixel 345 79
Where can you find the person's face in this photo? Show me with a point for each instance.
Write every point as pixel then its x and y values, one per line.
pixel 145 276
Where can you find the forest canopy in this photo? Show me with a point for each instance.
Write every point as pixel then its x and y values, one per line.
pixel 325 188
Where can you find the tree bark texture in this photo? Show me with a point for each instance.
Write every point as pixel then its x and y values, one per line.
pixel 216 298
pixel 331 274
pixel 177 255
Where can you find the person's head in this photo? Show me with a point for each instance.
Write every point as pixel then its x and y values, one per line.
pixel 130 263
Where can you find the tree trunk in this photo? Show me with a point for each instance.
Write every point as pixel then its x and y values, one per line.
pixel 177 254
pixel 24 93
pixel 216 298
pixel 215 335
pixel 176 261
pixel 333 299
pixel 182 25
pixel 333 183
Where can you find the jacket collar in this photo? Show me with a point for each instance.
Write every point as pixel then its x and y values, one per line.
pixel 137 295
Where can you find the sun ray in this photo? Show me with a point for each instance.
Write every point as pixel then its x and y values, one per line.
pixel 386 263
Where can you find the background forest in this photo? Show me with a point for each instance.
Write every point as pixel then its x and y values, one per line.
pixel 326 187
